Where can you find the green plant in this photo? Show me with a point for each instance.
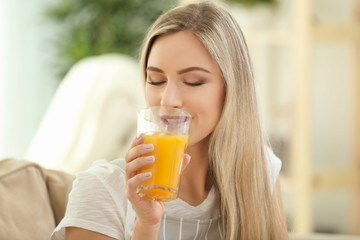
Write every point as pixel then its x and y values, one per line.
pixel 94 27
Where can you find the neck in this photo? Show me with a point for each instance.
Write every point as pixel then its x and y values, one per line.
pixel 195 182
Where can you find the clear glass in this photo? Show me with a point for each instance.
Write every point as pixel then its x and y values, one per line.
pixel 168 130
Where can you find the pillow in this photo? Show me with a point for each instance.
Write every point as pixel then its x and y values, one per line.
pixel 32 199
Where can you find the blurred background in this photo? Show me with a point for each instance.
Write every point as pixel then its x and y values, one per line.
pixel 68 95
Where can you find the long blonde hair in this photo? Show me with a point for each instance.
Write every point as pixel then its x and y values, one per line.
pixel 237 146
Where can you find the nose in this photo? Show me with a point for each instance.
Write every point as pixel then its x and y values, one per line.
pixel 171 95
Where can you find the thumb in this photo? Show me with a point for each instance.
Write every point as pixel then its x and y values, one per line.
pixel 186 161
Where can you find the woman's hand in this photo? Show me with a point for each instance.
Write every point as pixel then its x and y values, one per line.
pixel 148 213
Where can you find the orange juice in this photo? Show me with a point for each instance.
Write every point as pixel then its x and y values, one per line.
pixel 169 152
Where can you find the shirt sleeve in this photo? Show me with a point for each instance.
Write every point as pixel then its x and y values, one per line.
pixel 97 202
pixel 273 166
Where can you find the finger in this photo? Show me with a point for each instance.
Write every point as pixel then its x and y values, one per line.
pixel 134 182
pixel 138 151
pixel 138 140
pixel 132 167
pixel 186 161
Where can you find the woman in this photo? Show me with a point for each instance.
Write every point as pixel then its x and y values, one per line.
pixel 194 58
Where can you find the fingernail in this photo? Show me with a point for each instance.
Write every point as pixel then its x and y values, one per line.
pixel 147 175
pixel 139 136
pixel 149 146
pixel 150 158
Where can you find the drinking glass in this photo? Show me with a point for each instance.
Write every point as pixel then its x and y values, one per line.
pixel 168 130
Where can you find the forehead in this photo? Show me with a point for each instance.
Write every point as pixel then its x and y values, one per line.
pixel 180 50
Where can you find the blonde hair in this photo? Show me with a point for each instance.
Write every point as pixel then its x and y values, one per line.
pixel 237 146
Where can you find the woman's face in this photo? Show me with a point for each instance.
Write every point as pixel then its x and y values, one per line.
pixel 182 74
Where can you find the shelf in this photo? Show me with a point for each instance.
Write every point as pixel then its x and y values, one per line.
pixel 323 33
pixel 302 180
pixel 268 37
pixel 336 32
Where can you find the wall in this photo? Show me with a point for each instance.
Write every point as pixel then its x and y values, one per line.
pixel 27 81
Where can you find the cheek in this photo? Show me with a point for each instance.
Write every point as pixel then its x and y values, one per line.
pixel 213 105
pixel 208 112
pixel 152 99
pixel 214 110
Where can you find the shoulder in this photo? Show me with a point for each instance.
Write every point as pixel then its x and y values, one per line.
pixel 105 169
pixel 101 178
pixel 273 166
pixel 100 191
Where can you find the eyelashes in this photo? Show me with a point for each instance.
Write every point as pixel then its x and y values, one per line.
pixel 197 83
pixel 155 83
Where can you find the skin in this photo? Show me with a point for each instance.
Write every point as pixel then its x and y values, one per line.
pixel 180 74
pixel 180 77
pixel 186 77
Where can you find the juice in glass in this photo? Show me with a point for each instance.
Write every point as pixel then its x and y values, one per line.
pixel 169 152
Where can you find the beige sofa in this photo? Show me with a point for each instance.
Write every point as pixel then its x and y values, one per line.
pixel 33 201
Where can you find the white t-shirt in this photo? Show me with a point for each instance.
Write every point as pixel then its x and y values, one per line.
pixel 98 202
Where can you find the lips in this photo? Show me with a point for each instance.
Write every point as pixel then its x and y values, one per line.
pixel 174 120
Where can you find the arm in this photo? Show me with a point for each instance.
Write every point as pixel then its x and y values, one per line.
pixel 140 230
pixel 96 204
pixel 145 231
pixel 75 233
pixel 87 202
pixel 148 213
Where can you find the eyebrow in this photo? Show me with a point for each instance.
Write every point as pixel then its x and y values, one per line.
pixel 185 70
pixel 155 69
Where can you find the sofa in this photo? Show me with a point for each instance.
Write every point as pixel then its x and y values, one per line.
pixel 33 201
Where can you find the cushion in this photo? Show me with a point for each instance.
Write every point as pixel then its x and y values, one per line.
pixel 32 199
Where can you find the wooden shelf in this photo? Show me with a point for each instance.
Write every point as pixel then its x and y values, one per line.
pixel 321 33
pixel 340 33
pixel 301 37
pixel 269 37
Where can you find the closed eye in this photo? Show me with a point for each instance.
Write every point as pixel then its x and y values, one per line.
pixel 155 83
pixel 155 80
pixel 194 84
